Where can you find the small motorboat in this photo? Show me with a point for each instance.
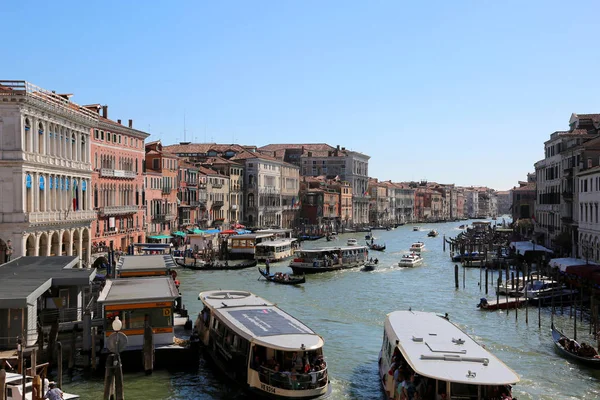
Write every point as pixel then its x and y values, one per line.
pixel 432 233
pixel 370 266
pixel 284 279
pixel 410 260
pixel 573 350
pixel 376 247
pixel 352 242
pixel 416 228
pixel 417 246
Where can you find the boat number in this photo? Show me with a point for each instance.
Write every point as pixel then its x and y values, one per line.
pixel 166 312
pixel 267 388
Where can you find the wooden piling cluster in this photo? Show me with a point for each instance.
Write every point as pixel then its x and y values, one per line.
pixel 484 241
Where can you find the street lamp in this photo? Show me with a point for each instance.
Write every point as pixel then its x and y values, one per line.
pixel 117 324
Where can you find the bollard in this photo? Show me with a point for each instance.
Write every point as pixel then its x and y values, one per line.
pixel 59 363
pixel 148 349
pixel 93 349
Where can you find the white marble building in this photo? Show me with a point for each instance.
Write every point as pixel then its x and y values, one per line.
pixel 45 173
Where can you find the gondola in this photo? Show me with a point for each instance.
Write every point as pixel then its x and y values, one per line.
pixel 222 265
pixel 377 247
pixel 292 280
pixel 590 362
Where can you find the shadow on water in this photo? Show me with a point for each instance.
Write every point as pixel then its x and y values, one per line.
pixel 360 384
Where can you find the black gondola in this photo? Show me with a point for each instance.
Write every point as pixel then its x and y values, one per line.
pixel 222 265
pixel 589 361
pixel 292 279
pixel 377 247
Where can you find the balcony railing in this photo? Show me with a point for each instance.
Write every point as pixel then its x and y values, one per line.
pixel 167 190
pixel 217 185
pixel 118 210
pixel 61 216
pixel 567 195
pixel 567 220
pixel 568 171
pixel 196 203
pixel 117 173
pixel 201 185
pixel 191 182
pixel 217 203
pixel 163 217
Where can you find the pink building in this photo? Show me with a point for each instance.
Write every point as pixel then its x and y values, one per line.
pixel 117 153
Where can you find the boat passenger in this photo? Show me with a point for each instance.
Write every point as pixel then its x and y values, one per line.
pixel 376 261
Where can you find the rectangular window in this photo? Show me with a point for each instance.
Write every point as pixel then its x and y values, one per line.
pixel 101 135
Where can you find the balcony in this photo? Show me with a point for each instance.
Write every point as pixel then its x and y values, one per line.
pixel 61 216
pixel 201 185
pixel 118 210
pixel 167 190
pixel 217 185
pixel 163 217
pixel 568 171
pixel 217 203
pixel 567 195
pixel 191 182
pixel 567 220
pixel 117 173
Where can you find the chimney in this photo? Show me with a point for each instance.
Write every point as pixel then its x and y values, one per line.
pixel 338 147
pixel 119 121
pixel 105 111
pixel 131 123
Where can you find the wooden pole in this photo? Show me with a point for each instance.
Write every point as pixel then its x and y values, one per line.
pixel 72 351
pixel 148 349
pixel 575 323
pixel 59 363
pixel 93 349
pixel 33 362
pixel 480 277
pixel 464 276
pixel 525 283
pixel 498 289
pixel 118 373
pixel 456 276
pixel 2 384
pixel 486 281
pixel 444 243
pixel 109 377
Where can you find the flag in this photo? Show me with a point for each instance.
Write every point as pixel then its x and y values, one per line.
pixel 293 201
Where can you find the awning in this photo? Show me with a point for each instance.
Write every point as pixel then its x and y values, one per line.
pixel 212 231
pixel 564 263
pixel 523 247
pixel 243 231
pixel 228 232
pixel 160 237
pixel 179 233
pixel 196 231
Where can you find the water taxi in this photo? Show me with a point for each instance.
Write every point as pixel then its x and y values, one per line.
pixel 417 246
pixel 416 228
pixel 433 351
pixel 261 347
pixel 410 260
pixel 432 233
pixel 328 259
pixel 274 250
pixel 352 242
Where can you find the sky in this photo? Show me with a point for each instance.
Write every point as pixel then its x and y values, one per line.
pixel 462 92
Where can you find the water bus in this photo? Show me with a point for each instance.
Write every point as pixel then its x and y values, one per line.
pixel 261 347
pixel 431 348
pixel 328 259
pixel 244 246
pixel 274 250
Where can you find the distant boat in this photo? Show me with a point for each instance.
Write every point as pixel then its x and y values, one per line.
pixel 352 242
pixel 416 228
pixel 410 260
pixel 284 279
pixel 432 233
pixel 417 246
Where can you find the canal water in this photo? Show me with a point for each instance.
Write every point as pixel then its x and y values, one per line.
pixel 348 309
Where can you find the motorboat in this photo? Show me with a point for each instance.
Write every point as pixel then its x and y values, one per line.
pixel 370 266
pixel 472 256
pixel 352 242
pixel 543 291
pixel 248 338
pixel 13 388
pixel 432 233
pixel 416 228
pixel 410 260
pixel 417 246
pixel 433 347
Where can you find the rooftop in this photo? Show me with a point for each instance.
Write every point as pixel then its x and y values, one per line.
pixel 24 279
pixel 146 262
pixel 138 289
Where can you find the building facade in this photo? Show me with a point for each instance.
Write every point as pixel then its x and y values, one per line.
pixel 161 214
pixel 45 172
pixel 589 223
pixel 118 153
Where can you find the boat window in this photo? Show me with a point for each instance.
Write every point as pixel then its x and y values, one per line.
pixel 463 391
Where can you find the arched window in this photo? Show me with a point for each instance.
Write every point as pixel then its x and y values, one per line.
pixel 29 193
pixel 41 138
pixel 83 149
pixel 96 196
pixel 27 138
pixel 74 147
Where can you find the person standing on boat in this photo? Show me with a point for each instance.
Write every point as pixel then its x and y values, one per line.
pixel 268 266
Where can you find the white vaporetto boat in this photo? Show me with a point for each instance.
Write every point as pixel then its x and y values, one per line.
pixel 430 347
pixel 417 246
pixel 410 260
pixel 261 347
pixel 274 250
pixel 310 261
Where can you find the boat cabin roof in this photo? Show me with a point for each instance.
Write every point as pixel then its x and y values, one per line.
pixel 276 242
pixel 251 236
pixel 140 290
pixel 331 249
pixel 146 262
pixel 260 321
pixel 436 348
pixel 12 377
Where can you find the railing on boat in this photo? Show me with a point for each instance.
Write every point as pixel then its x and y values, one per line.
pixel 299 381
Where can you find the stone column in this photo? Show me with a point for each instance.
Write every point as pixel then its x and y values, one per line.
pixel 36 247
pixel 79 248
pixel 48 249
pixel 71 244
pixel 89 250
pixel 60 239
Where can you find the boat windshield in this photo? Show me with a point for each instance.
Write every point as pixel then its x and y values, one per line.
pixel 290 370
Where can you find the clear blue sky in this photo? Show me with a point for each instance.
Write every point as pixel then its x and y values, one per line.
pixel 449 91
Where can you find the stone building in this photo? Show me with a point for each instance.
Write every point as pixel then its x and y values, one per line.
pixel 45 172
pixel 161 213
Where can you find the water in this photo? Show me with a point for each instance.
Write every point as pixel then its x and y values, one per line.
pixel 348 308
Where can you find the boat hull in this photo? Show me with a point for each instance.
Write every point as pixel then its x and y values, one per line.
pixel 590 362
pixel 292 280
pixel 223 267
pixel 300 269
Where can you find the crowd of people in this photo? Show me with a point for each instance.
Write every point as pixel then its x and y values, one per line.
pixel 300 372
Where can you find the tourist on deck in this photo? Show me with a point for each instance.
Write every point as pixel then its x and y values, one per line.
pixel 297 361
pixel 53 393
